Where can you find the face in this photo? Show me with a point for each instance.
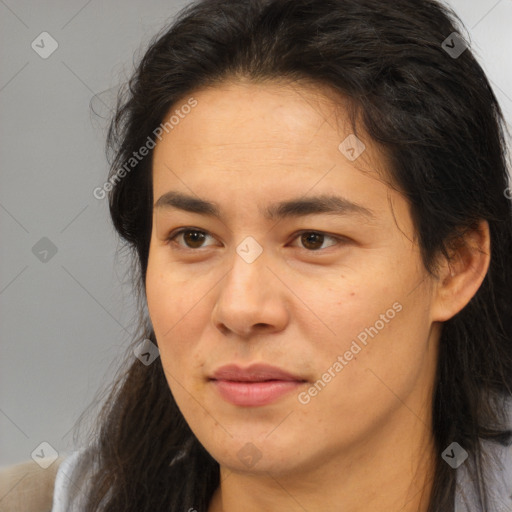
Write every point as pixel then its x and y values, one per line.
pixel 331 294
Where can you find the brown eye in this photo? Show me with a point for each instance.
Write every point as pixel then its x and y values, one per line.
pixel 313 240
pixel 192 238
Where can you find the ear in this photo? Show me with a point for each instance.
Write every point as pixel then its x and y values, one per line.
pixel 460 277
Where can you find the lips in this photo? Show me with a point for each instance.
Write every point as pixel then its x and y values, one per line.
pixel 256 385
pixel 253 373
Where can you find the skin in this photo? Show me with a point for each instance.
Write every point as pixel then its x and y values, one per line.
pixel 364 442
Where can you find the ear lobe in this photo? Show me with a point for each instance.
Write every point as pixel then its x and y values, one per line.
pixel 461 276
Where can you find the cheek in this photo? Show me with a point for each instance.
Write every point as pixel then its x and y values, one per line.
pixel 168 295
pixel 178 313
pixel 376 329
pixel 166 307
pixel 371 377
pixel 351 308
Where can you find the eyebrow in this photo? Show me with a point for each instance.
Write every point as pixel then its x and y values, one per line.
pixel 297 207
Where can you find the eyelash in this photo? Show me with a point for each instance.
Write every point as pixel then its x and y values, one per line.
pixel 175 234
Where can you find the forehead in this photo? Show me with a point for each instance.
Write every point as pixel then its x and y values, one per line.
pixel 283 123
pixel 267 138
pixel 278 105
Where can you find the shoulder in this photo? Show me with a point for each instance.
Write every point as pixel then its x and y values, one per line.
pixel 68 482
pixel 28 486
pixel 498 478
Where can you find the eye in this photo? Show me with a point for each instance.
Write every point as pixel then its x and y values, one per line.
pixel 194 239
pixel 313 240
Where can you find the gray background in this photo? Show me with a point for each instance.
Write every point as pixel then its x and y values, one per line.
pixel 65 322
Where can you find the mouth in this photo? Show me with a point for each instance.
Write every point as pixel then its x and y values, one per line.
pixel 254 386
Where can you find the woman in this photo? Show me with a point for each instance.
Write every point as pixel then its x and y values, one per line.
pixel 315 193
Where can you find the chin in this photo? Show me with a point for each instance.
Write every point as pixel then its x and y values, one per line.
pixel 258 466
pixel 256 456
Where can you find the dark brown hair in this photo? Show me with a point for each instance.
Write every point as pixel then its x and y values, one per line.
pixel 439 120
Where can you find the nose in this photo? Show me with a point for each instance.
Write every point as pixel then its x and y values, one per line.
pixel 251 299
